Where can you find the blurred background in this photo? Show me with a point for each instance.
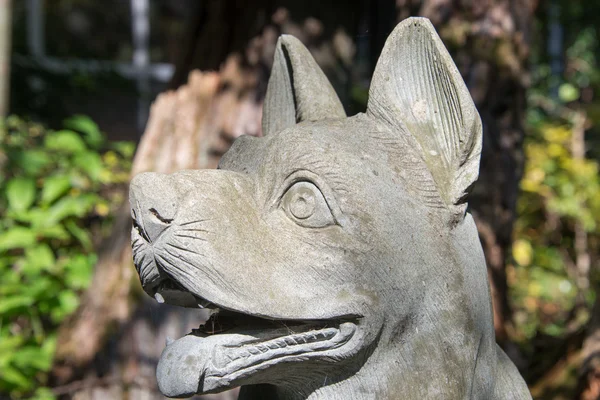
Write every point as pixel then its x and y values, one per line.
pixel 92 92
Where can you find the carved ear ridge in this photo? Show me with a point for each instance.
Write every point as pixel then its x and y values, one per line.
pixel 298 90
pixel 418 91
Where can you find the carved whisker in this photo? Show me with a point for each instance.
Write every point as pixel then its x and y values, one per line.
pixel 137 244
pixel 195 230
pixel 165 262
pixel 147 264
pixel 197 221
pixel 181 248
pixel 175 270
pixel 190 236
pixel 181 258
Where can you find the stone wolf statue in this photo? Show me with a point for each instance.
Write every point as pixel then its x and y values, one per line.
pixel 335 253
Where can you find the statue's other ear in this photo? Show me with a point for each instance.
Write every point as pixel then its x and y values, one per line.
pixel 298 89
pixel 418 91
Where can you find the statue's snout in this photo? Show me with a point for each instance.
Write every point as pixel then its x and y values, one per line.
pixel 153 201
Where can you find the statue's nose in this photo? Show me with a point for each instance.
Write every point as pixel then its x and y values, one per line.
pixel 153 203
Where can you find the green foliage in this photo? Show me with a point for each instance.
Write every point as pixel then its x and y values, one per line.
pixel 560 198
pixel 558 192
pixel 56 188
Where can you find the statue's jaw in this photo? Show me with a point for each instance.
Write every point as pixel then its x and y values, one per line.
pixel 233 349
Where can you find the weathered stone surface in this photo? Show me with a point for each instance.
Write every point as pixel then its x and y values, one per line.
pixel 334 254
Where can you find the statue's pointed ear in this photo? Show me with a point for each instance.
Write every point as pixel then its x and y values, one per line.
pixel 298 89
pixel 417 90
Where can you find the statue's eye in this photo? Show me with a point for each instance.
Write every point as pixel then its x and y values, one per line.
pixel 304 204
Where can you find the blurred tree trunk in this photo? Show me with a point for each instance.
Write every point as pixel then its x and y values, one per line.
pixel 5 49
pixel 490 42
pixel 589 379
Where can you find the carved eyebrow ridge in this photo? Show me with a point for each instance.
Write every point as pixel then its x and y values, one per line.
pixel 330 172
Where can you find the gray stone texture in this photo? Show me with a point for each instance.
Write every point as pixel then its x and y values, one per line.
pixel 334 255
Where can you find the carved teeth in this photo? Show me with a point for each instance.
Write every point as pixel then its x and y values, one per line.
pixel 254 350
pixel 262 348
pixel 300 339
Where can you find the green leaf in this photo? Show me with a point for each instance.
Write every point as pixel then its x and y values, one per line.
pixel 65 141
pixel 80 234
pixel 54 187
pixel 32 161
pixel 89 128
pixel 126 149
pixel 79 271
pixel 71 206
pixel 17 237
pixel 20 193
pixel 68 302
pixel 42 287
pixel 39 258
pixel 91 163
pixel 14 377
pixel 567 92
pixel 33 356
pixel 43 393
pixel 52 232
pixel 9 344
pixel 11 303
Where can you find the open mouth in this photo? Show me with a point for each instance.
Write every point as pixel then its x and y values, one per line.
pixel 230 348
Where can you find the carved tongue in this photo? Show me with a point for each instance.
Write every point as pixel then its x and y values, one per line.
pixel 185 363
pixel 195 364
pixel 182 364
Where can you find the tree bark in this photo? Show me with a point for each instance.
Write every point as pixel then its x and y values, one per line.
pixel 589 373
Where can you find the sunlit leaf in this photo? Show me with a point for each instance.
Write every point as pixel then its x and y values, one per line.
pixel 44 393
pixel 15 377
pixel 71 206
pixel 20 193
pixel 79 271
pixel 522 252
pixel 39 257
pixel 126 149
pixel 32 161
pixel 33 356
pixel 568 92
pixel 54 187
pixel 80 234
pixel 9 343
pixel 68 302
pixel 91 163
pixel 17 237
pixel 65 141
pixel 9 304
pixel 88 127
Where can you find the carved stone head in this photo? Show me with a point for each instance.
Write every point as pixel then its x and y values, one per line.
pixel 334 253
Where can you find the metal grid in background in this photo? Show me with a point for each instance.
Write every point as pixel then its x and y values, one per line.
pixel 140 70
